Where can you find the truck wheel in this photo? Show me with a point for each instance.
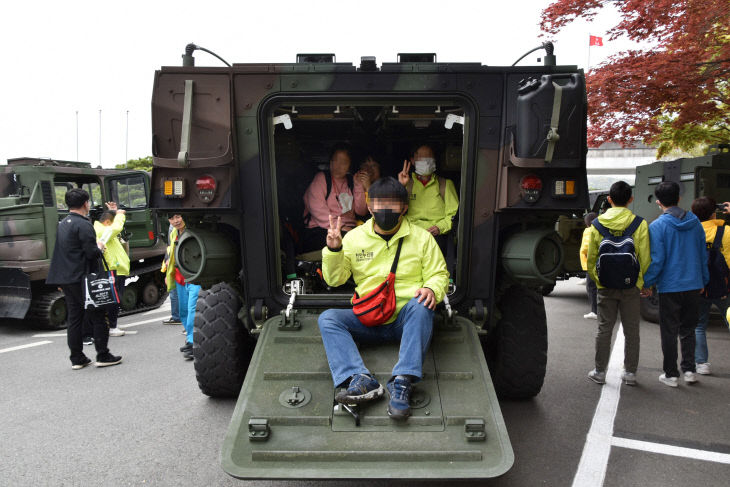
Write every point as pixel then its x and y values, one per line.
pixel 222 347
pixel 650 308
pixel 516 349
pixel 129 297
pixel 48 311
pixel 150 293
pixel 547 289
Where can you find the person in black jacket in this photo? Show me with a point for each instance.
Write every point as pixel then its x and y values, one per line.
pixel 76 254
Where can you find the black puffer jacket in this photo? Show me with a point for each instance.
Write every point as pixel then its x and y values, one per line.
pixel 75 253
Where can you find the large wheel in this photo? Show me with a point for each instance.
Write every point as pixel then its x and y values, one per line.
pixel 516 350
pixel 222 347
pixel 650 308
pixel 48 310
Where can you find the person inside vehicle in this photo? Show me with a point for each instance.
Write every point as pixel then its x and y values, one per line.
pixel 433 199
pixel 369 173
pixel 332 193
pixel 386 243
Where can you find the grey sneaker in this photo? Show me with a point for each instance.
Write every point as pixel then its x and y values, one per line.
pixel 690 377
pixel 703 369
pixel 670 381
pixel 362 388
pixel 597 377
pixel 628 378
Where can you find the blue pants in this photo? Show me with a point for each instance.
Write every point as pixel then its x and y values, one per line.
pixel 340 328
pixel 701 353
pixel 187 297
pixel 174 305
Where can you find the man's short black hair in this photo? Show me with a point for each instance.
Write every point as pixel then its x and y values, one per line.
pixel 75 198
pixel 588 219
pixel 172 213
pixel 620 193
pixel 107 215
pixel 667 193
pixel 388 187
pixel 341 147
pixel 415 148
pixel 704 208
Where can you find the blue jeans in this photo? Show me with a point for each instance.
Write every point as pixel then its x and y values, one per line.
pixel 187 297
pixel 701 353
pixel 340 328
pixel 174 306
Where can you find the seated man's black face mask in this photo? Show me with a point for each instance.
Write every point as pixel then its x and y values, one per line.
pixel 386 219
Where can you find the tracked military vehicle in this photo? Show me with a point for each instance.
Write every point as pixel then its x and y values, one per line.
pixel 234 149
pixel 31 205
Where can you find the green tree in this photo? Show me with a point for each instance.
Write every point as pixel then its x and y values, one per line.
pixel 141 164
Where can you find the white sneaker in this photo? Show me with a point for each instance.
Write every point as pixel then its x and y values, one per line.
pixel 591 316
pixel 690 377
pixel 597 377
pixel 116 332
pixel 670 381
pixel 703 369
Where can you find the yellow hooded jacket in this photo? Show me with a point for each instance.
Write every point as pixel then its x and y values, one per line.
pixel 168 264
pixel 368 257
pixel 710 227
pixel 427 208
pixel 114 254
pixel 616 219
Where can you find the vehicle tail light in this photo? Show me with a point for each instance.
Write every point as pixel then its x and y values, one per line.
pixel 173 188
pixel 206 186
pixel 531 188
pixel 151 235
pixel 564 188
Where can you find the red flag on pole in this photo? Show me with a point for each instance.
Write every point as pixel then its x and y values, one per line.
pixel 595 41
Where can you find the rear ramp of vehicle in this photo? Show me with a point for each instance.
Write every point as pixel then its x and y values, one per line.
pixel 286 425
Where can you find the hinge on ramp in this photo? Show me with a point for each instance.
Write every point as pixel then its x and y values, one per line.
pixel 258 429
pixel 289 320
pixel 475 430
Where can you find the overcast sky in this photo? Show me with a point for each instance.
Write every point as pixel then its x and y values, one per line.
pixel 64 57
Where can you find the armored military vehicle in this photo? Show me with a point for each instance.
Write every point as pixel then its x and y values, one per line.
pixel 234 149
pixel 31 205
pixel 708 175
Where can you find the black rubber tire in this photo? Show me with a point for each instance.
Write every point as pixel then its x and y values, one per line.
pixel 129 297
pixel 48 311
pixel 222 347
pixel 516 350
pixel 650 308
pixel 547 289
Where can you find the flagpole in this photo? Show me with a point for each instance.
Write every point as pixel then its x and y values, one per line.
pixel 588 67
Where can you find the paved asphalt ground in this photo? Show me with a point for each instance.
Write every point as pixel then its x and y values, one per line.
pixel 146 423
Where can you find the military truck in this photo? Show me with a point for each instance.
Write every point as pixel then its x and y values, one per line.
pixel 31 205
pixel 234 149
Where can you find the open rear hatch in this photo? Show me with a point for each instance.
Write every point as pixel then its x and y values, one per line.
pixel 285 425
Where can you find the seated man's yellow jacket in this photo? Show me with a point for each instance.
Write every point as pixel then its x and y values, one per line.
pixel 114 254
pixel 428 208
pixel 368 257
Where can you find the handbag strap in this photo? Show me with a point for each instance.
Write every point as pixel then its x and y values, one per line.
pixel 397 256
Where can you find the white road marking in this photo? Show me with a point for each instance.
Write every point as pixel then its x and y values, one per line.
pixel 50 335
pixel 129 325
pixel 594 460
pixel 677 451
pixel 21 347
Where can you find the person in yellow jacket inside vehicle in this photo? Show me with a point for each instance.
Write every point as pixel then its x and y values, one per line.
pixel 187 293
pixel 367 253
pixel 591 288
pixel 433 201
pixel 108 229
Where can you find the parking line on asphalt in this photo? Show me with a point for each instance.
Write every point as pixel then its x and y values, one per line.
pixel 137 323
pixel 594 459
pixel 50 335
pixel 21 347
pixel 677 451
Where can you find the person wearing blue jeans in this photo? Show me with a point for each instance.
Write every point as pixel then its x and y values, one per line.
pixel 187 295
pixel 370 253
pixel 174 309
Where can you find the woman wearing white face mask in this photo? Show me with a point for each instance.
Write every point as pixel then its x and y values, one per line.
pixel 433 199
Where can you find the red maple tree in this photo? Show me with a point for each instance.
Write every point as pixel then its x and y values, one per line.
pixel 675 93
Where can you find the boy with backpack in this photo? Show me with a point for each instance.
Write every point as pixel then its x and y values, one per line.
pixel 618 256
pixel 679 270
pixel 717 240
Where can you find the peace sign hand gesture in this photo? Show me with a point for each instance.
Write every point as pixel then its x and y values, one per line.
pixel 334 235
pixel 404 175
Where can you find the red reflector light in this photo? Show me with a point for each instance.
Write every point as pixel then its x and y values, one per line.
pixel 151 235
pixel 531 182
pixel 205 182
